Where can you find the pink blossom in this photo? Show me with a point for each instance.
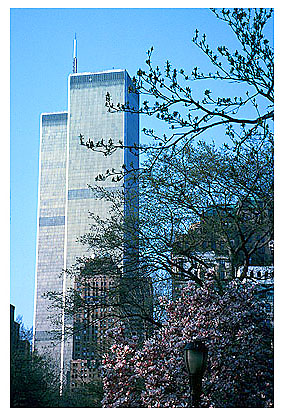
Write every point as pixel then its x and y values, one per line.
pixel 233 325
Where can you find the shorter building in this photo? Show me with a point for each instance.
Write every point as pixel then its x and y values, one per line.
pixel 206 262
pixel 225 238
pixel 262 274
pixel 14 331
pixel 18 346
pixel 263 278
pixel 96 295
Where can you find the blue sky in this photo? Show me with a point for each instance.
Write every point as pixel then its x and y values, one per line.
pixel 41 58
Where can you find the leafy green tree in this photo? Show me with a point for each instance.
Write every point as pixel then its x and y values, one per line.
pixel 34 381
pixel 213 200
pixel 88 395
pixel 201 200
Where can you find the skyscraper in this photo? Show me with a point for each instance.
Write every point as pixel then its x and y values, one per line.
pixel 65 200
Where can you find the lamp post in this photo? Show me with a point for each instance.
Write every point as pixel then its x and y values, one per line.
pixel 195 356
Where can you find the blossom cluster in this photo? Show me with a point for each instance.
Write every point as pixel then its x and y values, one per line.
pixel 237 333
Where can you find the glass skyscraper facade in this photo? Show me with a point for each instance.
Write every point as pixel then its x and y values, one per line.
pixel 65 200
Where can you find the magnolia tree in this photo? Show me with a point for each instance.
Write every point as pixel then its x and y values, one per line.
pixel 234 326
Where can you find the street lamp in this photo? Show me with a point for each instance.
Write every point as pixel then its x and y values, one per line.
pixel 195 356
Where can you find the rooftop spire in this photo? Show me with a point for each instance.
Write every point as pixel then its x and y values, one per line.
pixel 74 62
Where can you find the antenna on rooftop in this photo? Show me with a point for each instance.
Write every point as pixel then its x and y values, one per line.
pixel 74 62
